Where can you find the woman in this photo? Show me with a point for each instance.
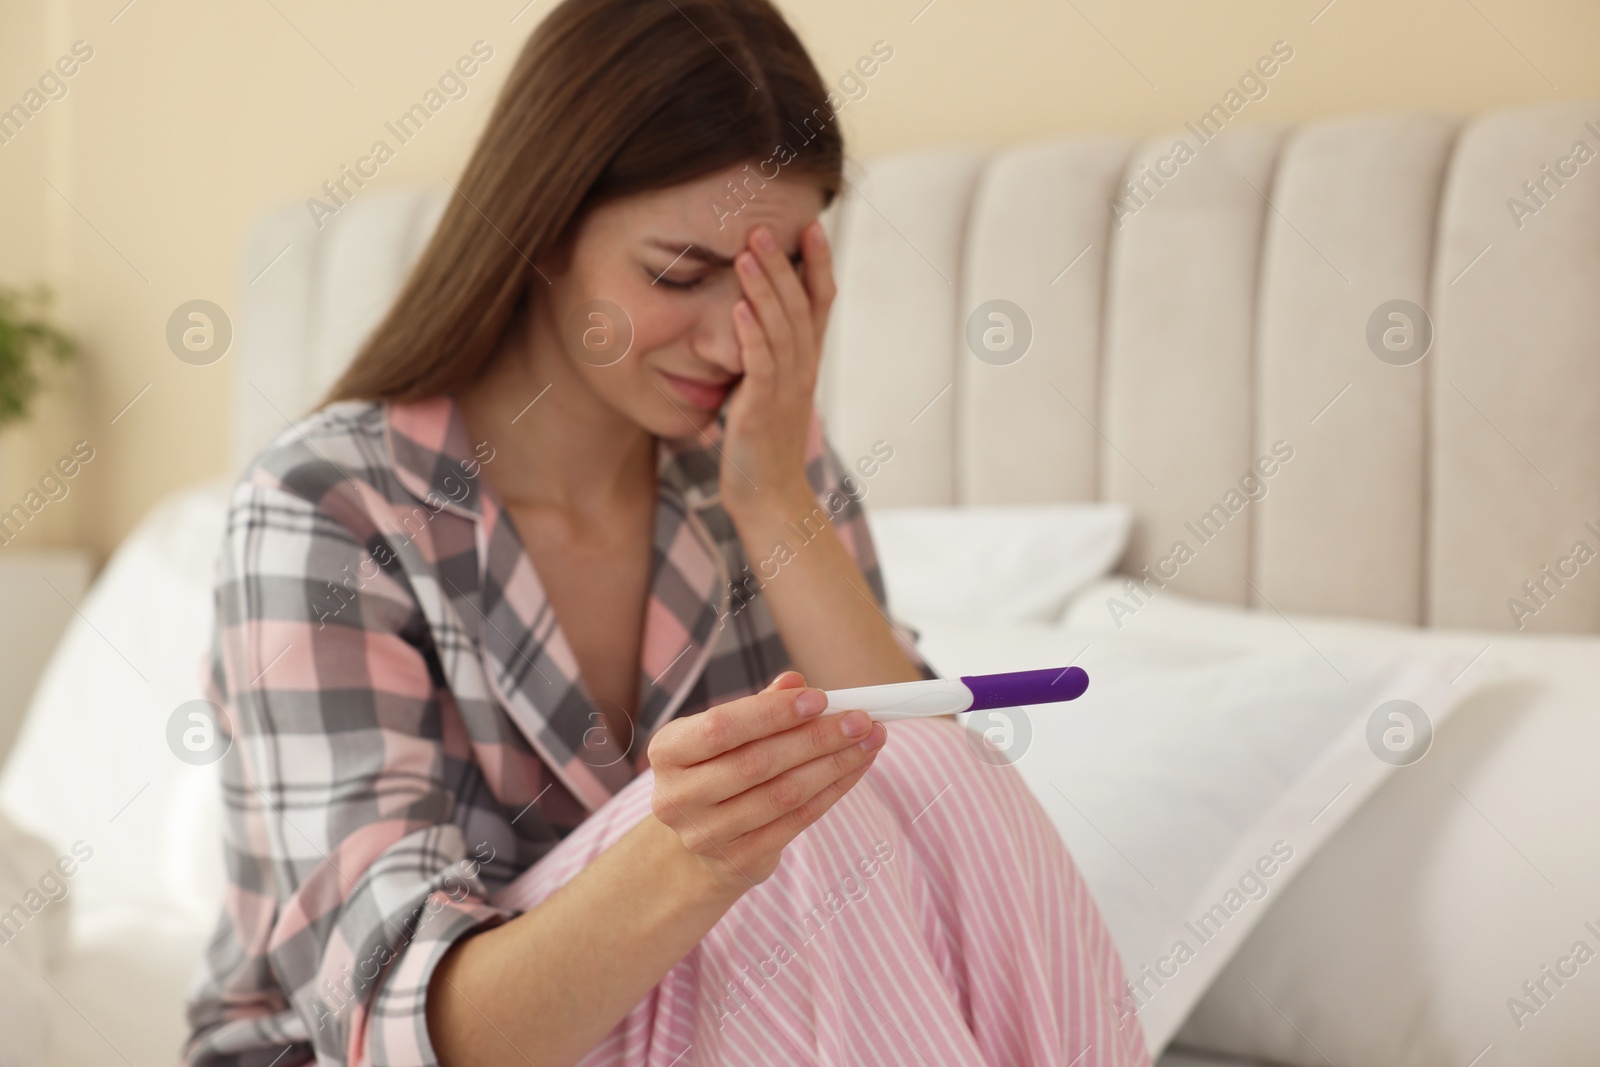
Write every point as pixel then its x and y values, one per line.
pixel 522 638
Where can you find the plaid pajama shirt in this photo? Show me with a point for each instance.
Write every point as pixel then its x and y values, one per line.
pixel 410 731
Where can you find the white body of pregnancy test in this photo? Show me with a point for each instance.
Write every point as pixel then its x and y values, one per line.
pixel 972 692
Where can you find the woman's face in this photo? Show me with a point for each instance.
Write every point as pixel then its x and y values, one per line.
pixel 644 306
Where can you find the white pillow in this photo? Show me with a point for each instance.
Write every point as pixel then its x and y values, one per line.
pixel 994 564
pixel 1182 767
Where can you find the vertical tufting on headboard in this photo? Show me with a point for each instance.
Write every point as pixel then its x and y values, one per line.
pixel 892 356
pixel 1223 307
pixel 1344 528
pixel 1179 358
pixel 1516 399
pixel 1228 309
pixel 1038 236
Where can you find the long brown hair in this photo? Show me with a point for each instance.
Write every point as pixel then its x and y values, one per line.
pixel 607 99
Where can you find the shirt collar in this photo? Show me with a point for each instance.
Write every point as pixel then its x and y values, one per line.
pixel 433 456
pixel 438 463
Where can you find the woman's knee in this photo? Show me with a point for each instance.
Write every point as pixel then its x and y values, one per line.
pixel 940 744
pixel 918 749
pixel 945 750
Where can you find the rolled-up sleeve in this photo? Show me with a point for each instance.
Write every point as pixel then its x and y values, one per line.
pixel 352 868
pixel 841 491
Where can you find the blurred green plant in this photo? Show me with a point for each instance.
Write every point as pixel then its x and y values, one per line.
pixel 27 341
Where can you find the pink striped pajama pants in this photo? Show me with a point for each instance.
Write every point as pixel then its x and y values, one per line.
pixel 932 918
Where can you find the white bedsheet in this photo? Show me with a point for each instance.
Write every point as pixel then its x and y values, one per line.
pixel 91 763
pixel 1194 782
pixel 1461 878
pixel 34 904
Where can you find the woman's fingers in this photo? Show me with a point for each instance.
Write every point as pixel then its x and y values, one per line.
pixel 784 704
pixel 782 276
pixel 779 300
pixel 765 302
pixel 754 351
pixel 763 760
pixel 786 680
pixel 819 276
pixel 736 803
pixel 788 790
pixel 775 835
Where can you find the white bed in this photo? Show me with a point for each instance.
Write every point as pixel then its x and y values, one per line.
pixel 1418 898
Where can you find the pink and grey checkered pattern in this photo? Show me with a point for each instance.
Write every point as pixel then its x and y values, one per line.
pixel 410 730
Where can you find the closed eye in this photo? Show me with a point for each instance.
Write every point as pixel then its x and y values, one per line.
pixel 660 277
pixel 678 283
pixel 796 261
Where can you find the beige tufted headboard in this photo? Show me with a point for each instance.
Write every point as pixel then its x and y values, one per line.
pixel 1189 309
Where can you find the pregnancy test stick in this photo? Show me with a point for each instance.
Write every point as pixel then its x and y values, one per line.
pixel 973 692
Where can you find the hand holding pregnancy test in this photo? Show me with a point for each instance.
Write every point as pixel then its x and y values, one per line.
pixel 971 692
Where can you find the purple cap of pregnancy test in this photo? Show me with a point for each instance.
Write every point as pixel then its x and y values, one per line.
pixel 1025 687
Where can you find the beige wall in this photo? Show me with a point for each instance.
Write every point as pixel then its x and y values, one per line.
pixel 192 118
